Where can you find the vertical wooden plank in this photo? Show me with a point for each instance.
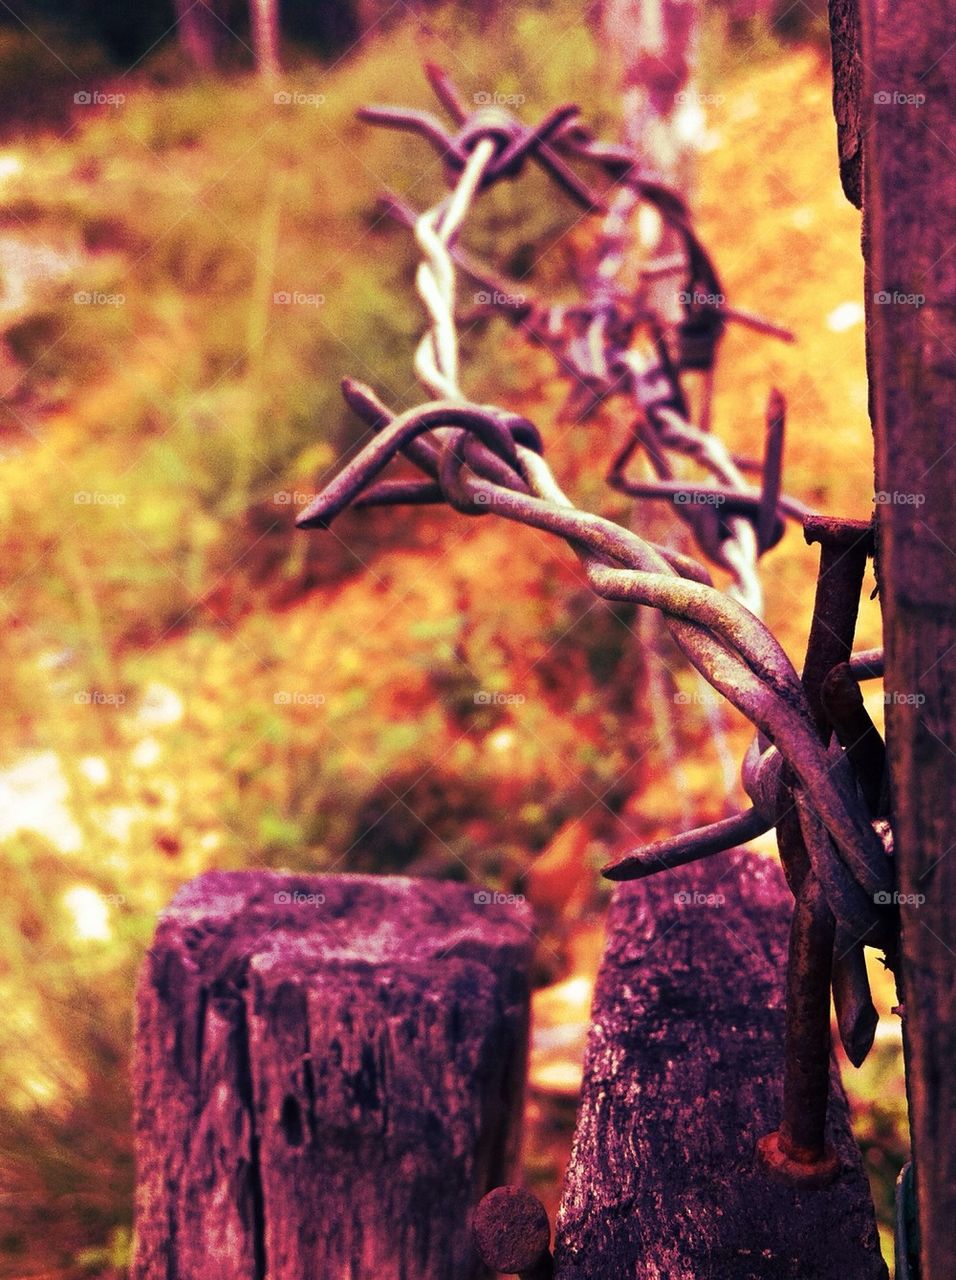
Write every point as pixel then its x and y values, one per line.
pixel 909 104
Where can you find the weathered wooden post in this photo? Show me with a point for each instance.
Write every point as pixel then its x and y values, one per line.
pixel 909 185
pixel 683 1075
pixel 328 1076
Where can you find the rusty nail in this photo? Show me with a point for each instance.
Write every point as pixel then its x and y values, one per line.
pixel 512 1233
pixel 844 548
pixel 798 1152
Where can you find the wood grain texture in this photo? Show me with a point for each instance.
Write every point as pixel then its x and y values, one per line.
pixel 683 1075
pixel 328 1077
pixel 845 52
pixel 909 59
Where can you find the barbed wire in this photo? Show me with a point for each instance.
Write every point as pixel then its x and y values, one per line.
pixel 483 459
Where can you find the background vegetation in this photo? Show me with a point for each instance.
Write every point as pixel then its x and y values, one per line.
pixel 192 683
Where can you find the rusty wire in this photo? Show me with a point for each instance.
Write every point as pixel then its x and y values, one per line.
pixel 593 342
pixel 482 459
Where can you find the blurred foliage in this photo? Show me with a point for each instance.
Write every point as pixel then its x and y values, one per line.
pixel 171 393
pixel 195 684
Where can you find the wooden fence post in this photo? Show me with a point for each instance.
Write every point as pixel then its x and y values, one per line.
pixel 909 202
pixel 683 1074
pixel 328 1076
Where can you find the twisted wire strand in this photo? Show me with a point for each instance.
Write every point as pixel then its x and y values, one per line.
pixel 436 359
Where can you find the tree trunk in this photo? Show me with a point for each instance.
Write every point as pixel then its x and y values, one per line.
pixel 909 104
pixel 328 1077
pixel 683 1074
